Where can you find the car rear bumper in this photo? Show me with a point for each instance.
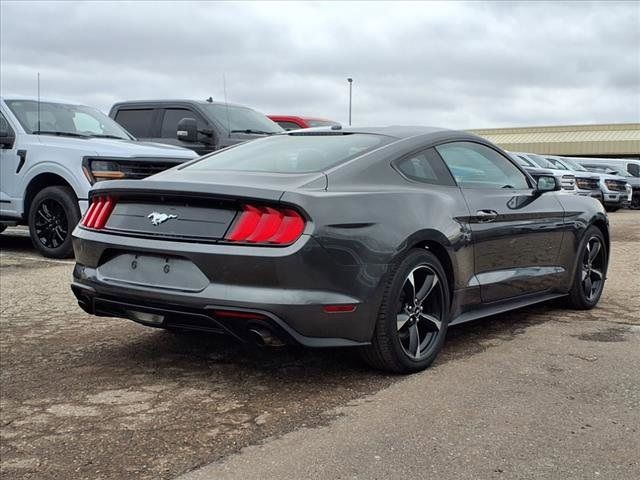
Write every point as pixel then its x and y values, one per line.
pixel 285 288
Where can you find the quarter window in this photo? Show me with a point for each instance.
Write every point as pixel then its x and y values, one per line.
pixel 137 122
pixel 425 167
pixel 477 166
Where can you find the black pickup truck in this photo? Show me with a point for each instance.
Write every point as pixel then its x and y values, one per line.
pixel 202 126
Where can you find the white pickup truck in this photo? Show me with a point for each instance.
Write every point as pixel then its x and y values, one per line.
pixel 50 155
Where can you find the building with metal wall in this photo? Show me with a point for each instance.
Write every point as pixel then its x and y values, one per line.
pixel 606 140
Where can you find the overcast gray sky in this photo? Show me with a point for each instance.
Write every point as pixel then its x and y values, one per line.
pixel 456 65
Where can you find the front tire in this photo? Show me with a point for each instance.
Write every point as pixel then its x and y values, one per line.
pixel 412 321
pixel 53 214
pixel 591 271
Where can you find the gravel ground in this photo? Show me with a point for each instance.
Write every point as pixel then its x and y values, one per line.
pixel 83 397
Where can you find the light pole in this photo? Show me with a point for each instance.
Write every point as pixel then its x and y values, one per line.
pixel 350 80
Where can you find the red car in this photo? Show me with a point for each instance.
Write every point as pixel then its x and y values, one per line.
pixel 289 122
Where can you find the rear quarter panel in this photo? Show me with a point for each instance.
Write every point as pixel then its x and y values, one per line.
pixel 369 219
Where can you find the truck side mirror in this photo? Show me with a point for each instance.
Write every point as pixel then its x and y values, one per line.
pixel 187 130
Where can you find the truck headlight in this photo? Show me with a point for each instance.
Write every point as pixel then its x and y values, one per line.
pixel 97 170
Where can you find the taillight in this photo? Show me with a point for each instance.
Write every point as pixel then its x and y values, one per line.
pixel 99 212
pixel 266 225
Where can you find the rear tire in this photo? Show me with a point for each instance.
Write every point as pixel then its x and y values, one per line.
pixel 410 331
pixel 53 214
pixel 591 271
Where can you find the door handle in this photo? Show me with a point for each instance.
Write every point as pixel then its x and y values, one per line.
pixel 486 215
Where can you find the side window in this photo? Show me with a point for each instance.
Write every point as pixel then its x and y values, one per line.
pixel 171 118
pixel 136 122
pixel 477 166
pixel 289 125
pixel 5 128
pixel 425 167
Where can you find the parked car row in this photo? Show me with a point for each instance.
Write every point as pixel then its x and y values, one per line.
pixel 600 182
pixel 627 168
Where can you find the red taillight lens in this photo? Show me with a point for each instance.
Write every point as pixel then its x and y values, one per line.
pixel 99 212
pixel 267 225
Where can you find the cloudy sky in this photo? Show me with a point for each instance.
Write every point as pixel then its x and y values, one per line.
pixel 458 65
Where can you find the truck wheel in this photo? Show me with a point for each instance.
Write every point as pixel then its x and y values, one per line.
pixel 53 214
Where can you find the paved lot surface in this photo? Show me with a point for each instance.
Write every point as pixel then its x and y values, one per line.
pixel 539 393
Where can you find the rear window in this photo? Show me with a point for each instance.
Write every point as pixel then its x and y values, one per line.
pixel 294 153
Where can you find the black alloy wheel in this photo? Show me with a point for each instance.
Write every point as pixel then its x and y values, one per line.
pixel 591 270
pixel 419 317
pixel 53 214
pixel 413 316
pixel 51 223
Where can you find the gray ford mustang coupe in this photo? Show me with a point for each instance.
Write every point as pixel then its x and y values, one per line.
pixel 376 238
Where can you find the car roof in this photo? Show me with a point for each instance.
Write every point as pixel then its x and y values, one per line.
pixel 9 98
pixel 395 131
pixel 298 117
pixel 176 101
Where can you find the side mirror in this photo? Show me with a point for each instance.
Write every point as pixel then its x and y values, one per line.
pixel 7 140
pixel 187 130
pixel 547 183
pixel 210 135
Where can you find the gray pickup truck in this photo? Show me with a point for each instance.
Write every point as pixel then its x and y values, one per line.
pixel 202 126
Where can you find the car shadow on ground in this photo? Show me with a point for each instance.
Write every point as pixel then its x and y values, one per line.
pixel 17 241
pixel 196 352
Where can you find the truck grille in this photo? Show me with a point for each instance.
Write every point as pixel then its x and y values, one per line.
pixel 139 170
pixel 568 182
pixel 587 183
pixel 616 185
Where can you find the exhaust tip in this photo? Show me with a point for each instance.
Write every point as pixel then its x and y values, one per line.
pixel 264 338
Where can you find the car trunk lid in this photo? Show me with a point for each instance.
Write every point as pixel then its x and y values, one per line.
pixel 191 208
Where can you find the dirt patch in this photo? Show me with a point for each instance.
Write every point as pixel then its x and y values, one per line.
pixel 614 334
